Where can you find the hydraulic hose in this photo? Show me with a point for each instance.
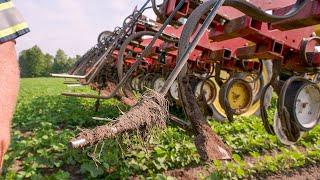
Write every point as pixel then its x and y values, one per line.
pixel 190 27
pixel 156 10
pixel 251 10
pixel 241 5
pixel 258 14
pixel 143 53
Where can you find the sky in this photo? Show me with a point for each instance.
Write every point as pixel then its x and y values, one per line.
pixel 71 25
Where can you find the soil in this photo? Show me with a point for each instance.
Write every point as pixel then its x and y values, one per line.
pixel 189 173
pixel 311 172
pixel 306 173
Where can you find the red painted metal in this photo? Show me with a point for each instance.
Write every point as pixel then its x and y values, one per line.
pixel 228 13
pixel 183 12
pixel 231 13
pixel 258 32
pixel 310 15
pixel 234 42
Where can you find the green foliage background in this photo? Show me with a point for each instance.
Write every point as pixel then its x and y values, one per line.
pixel 44 122
pixel 34 63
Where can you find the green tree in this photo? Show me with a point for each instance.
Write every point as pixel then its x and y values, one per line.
pixel 33 63
pixel 62 63
pixel 48 64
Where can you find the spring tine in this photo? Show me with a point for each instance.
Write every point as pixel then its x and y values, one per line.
pixel 68 76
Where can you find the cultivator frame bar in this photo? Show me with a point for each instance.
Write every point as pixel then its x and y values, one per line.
pixel 236 40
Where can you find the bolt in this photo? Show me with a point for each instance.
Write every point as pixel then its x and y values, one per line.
pixel 304 105
pixel 222 22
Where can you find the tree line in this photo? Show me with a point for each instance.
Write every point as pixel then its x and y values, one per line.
pixel 34 63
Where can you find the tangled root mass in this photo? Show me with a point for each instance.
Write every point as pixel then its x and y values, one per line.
pixel 151 112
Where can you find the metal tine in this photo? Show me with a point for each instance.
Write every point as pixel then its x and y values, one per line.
pixel 135 65
pixel 68 76
pixel 71 82
pixel 89 96
pixel 75 85
pixel 101 61
pixel 103 119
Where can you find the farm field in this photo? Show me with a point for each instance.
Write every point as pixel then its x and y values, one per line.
pixel 44 122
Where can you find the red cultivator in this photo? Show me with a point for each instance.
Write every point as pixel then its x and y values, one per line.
pixel 219 58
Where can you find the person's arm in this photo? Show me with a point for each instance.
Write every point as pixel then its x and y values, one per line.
pixel 12 25
pixel 9 80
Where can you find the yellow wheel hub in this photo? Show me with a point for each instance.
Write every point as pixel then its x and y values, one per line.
pixel 239 96
pixel 255 87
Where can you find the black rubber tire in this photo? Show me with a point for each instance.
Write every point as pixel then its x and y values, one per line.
pixel 104 33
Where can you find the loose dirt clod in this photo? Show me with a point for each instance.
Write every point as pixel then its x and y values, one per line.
pixel 151 112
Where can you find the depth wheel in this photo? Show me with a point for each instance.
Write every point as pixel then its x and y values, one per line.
pixel 218 112
pixel 135 82
pixel 174 91
pixel 280 133
pixel 146 81
pixel 208 89
pixel 236 96
pixel 301 98
pixel 104 35
pixel 158 83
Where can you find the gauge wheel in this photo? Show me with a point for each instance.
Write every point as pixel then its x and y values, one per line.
pixel 135 82
pixel 208 88
pixel 103 36
pixel 302 100
pixel 174 91
pixel 218 112
pixel 281 135
pixel 145 82
pixel 158 83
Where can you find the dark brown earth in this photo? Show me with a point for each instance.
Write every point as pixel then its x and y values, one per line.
pixel 307 173
pixel 311 172
pixel 189 173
